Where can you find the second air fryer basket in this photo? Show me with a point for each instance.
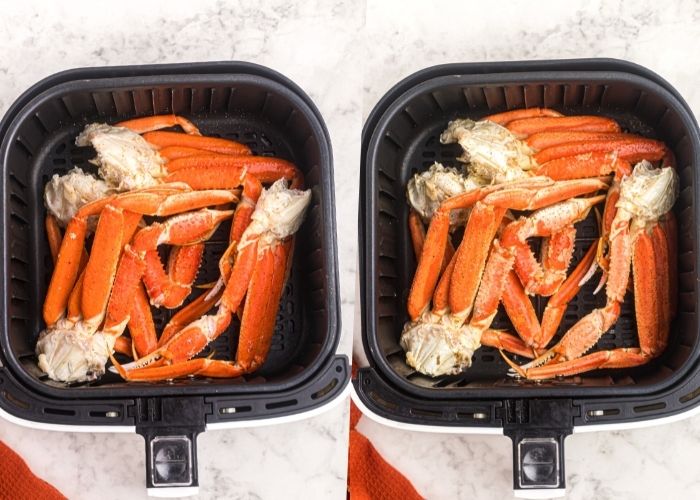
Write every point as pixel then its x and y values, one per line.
pixel 405 140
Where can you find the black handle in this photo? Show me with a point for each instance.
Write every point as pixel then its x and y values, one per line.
pixel 171 460
pixel 538 429
pixel 170 427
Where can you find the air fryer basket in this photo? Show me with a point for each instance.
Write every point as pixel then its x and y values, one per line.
pixel 401 138
pixel 240 101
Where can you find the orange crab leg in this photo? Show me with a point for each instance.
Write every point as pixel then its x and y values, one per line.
pixel 441 297
pixel 53 234
pixel 583 165
pixel 140 324
pixel 670 227
pixel 170 153
pixel 150 123
pixel 528 126
pixel 521 312
pixel 122 345
pixel 518 114
pixel 615 358
pixel 417 231
pixel 199 366
pixel 506 342
pixel 66 271
pixel 556 306
pixel 102 265
pixel 172 288
pixel 542 140
pixel 470 259
pixel 632 150
pixel 195 309
pixel 210 172
pixel 163 139
pixel 252 188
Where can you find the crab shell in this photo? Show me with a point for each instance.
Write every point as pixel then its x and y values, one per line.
pixel 427 190
pixel 649 192
pixel 436 346
pixel 65 194
pixel 69 352
pixel 491 150
pixel 125 159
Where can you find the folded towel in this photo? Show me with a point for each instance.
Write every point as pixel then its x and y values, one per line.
pixel 17 482
pixel 370 477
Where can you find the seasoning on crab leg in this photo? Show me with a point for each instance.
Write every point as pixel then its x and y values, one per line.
pixel 151 123
pixel 637 240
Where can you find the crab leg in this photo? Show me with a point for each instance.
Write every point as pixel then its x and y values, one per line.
pixel 556 306
pixel 518 114
pixel 584 165
pixel 417 231
pixel 172 288
pixel 150 123
pixel 170 153
pixel 53 234
pixel 162 139
pixel 504 341
pixel 140 324
pixel 217 172
pixel 632 150
pixel 192 311
pixel 542 140
pixel 528 126
pixel 521 313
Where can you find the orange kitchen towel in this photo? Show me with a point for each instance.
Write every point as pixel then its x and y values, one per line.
pixel 370 477
pixel 17 482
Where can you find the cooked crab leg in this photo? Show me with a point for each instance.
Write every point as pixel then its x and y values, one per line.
pixel 632 150
pixel 521 312
pixel 123 346
pixel 528 126
pixel 518 114
pixel 172 288
pixel 140 324
pixel 53 234
pixel 417 231
pixel 542 140
pixel 162 139
pixel 170 153
pixel 594 164
pixel 217 172
pixel 260 270
pixel 150 123
pixel 637 240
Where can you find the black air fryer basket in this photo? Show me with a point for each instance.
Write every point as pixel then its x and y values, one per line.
pixel 401 137
pixel 245 102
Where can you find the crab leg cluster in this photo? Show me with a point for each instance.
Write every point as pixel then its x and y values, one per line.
pixel 539 162
pixel 92 298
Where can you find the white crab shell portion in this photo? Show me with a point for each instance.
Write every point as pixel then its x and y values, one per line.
pixel 427 190
pixel 436 346
pixel 649 192
pixel 491 150
pixel 65 194
pixel 125 159
pixel 278 214
pixel 70 352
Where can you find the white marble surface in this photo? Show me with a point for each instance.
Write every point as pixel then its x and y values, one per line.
pixel 659 462
pixel 314 44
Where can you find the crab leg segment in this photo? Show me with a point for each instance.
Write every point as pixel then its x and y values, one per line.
pixel 170 153
pixel 518 114
pixel 542 140
pixel 141 327
pixel 521 312
pixel 172 288
pixel 150 123
pixel 584 165
pixel 527 126
pixel 632 150
pixel 163 139
pixel 53 233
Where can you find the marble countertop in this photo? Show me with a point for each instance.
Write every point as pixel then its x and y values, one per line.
pixel 658 462
pixel 311 44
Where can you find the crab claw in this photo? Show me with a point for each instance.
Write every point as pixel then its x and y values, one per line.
pixel 435 346
pixel 70 353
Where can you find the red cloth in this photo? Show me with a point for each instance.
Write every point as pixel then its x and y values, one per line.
pixel 17 482
pixel 370 477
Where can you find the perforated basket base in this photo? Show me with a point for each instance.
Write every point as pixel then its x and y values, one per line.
pixel 403 140
pixel 271 116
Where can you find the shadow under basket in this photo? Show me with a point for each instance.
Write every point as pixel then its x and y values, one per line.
pixel 400 138
pixel 239 101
